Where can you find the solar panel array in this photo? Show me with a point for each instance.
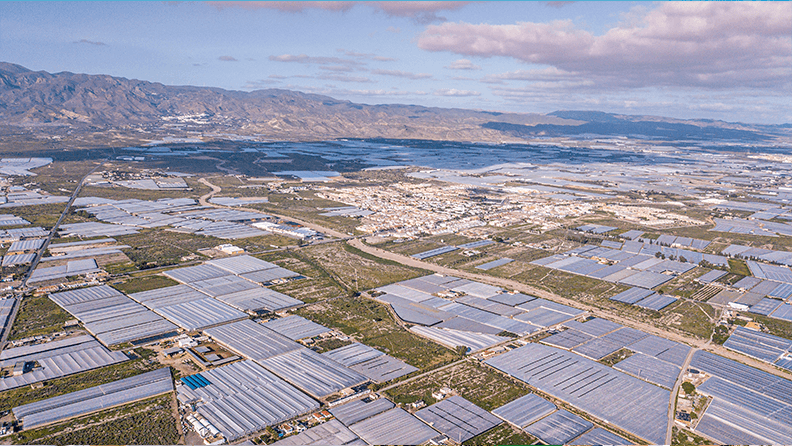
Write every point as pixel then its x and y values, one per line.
pixel 57 359
pixel 749 406
pixel 525 410
pixel 329 433
pixel 434 252
pixel 6 308
pixel 394 426
pixel 650 369
pixel 183 214
pixel 762 346
pixel 94 399
pixel 358 410
pixel 756 227
pixel 559 427
pixel 370 362
pixel 456 338
pixel 711 276
pixel 72 268
pixel 494 264
pixel 458 418
pixel 12 220
pixel 629 403
pixel 236 281
pixel 482 309
pixel 243 398
pixel 111 316
pixel 746 252
pixel 296 327
pixel 596 229
pixel 315 374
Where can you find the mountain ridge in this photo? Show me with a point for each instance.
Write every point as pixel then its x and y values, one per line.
pixel 78 100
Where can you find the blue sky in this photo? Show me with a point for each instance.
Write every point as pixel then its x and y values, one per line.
pixel 718 60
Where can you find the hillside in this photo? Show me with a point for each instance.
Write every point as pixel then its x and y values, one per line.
pixel 34 98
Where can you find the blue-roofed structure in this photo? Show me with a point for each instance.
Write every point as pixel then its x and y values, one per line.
pixel 195 381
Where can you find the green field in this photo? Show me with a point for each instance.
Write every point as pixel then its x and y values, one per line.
pixel 502 434
pixel 372 324
pixel 356 270
pixel 478 384
pixel 144 422
pixel 156 247
pixel 145 283
pixel 72 383
pixel 38 315
pixel 317 285
pixel 692 318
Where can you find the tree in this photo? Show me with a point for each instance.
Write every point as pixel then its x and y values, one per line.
pixel 689 388
pixel 461 350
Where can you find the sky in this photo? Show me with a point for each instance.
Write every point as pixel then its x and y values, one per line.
pixel 730 61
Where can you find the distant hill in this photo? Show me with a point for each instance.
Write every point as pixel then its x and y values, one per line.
pixel 82 101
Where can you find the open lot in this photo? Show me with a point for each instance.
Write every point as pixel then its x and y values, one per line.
pixel 502 434
pixel 156 247
pixel 480 385
pixel 149 421
pixel 38 315
pixel 357 270
pixel 372 324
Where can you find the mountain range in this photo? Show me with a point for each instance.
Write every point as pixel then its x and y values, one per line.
pixel 82 101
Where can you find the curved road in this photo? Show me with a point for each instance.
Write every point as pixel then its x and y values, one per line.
pixel 215 189
pixel 514 285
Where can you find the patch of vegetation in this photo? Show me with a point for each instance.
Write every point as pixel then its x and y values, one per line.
pixel 371 323
pixel 38 315
pixel 156 247
pixel 145 283
pixel 737 266
pixel 318 283
pixel 720 335
pixel 357 270
pixel 693 318
pixel 72 383
pixel 683 437
pixel 617 356
pixel 44 215
pixel 774 326
pixel 502 434
pixel 478 384
pixel 149 421
pixel 567 285
pixel 325 345
pixel 689 388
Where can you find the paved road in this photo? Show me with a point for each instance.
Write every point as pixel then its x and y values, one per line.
pixel 514 285
pixel 674 391
pixel 54 229
pixel 215 189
